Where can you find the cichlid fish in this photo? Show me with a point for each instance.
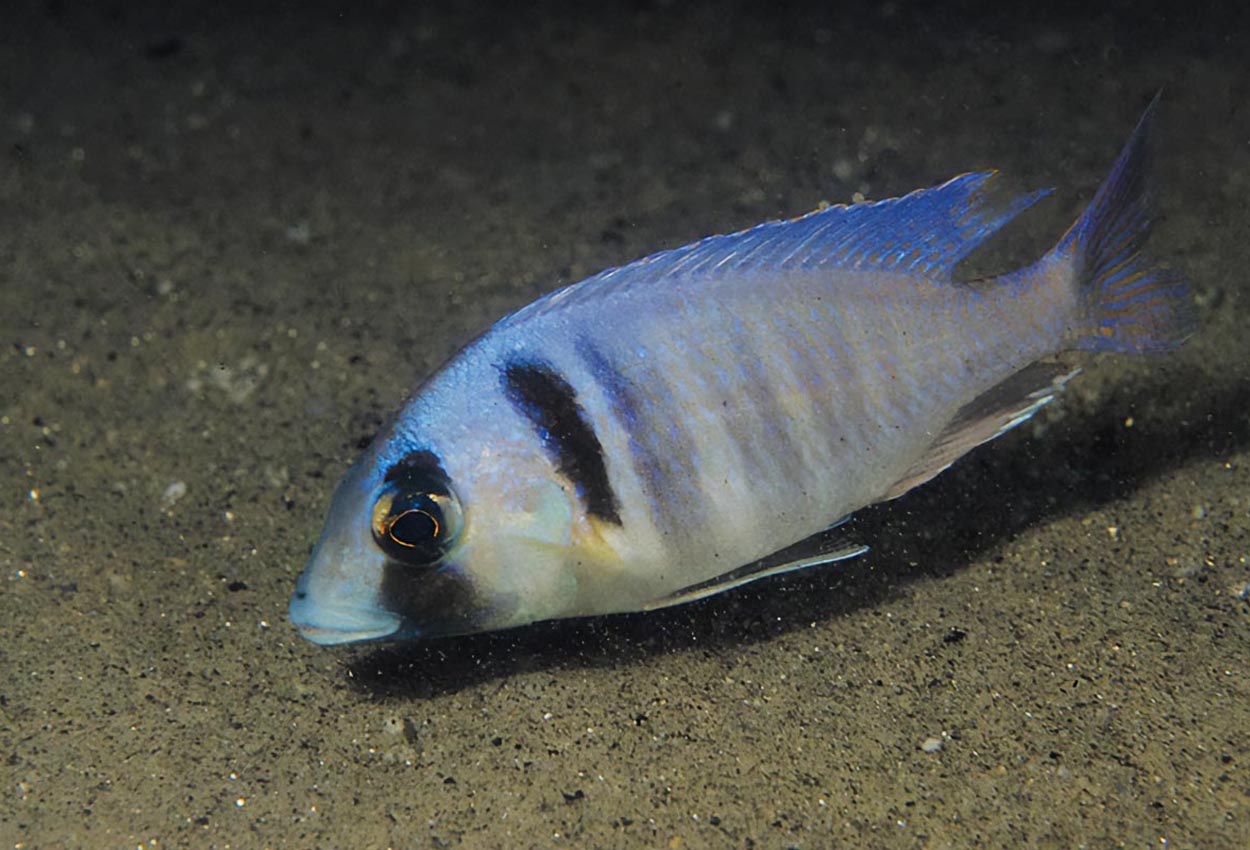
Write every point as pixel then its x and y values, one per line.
pixel 694 420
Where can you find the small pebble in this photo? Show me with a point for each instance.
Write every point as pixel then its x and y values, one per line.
pixel 172 494
pixel 932 745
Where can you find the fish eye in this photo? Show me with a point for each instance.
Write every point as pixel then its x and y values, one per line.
pixel 415 520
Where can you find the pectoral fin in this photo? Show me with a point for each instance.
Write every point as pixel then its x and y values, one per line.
pixel 990 415
pixel 797 557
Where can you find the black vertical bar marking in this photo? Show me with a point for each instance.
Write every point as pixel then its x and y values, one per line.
pixel 550 404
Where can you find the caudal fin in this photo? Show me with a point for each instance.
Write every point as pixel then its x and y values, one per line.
pixel 1134 305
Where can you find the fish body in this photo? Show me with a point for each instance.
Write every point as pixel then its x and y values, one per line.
pixel 684 424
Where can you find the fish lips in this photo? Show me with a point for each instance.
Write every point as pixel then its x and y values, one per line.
pixel 329 612
pixel 327 626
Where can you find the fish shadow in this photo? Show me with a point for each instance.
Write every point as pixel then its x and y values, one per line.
pixel 1085 459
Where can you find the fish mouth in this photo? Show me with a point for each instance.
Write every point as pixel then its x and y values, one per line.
pixel 328 626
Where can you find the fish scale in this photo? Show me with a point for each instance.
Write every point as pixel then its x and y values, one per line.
pixel 694 420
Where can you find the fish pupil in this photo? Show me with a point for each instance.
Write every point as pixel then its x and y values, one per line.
pixel 414 528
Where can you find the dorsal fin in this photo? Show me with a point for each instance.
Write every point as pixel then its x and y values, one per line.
pixel 925 232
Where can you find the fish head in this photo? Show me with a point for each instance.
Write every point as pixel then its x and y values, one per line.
pixel 420 543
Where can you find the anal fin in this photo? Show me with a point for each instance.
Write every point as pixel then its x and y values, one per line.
pixel 994 412
pixel 802 555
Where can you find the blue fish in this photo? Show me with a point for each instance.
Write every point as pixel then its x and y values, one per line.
pixel 695 420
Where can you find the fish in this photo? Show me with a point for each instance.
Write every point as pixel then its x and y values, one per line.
pixel 699 419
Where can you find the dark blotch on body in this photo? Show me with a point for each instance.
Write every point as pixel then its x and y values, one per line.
pixel 439 601
pixel 549 402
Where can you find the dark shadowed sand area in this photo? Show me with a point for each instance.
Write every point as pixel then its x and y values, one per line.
pixel 232 238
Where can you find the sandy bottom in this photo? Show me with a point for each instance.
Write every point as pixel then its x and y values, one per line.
pixel 231 241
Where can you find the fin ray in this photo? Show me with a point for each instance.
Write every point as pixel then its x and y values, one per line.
pixel 990 415
pixel 924 232
pixel 1134 305
pixel 779 563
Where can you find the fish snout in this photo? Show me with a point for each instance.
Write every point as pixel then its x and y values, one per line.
pixel 327 622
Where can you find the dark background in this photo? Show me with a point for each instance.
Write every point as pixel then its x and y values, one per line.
pixel 232 236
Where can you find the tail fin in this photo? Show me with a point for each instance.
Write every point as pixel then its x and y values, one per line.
pixel 1134 305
